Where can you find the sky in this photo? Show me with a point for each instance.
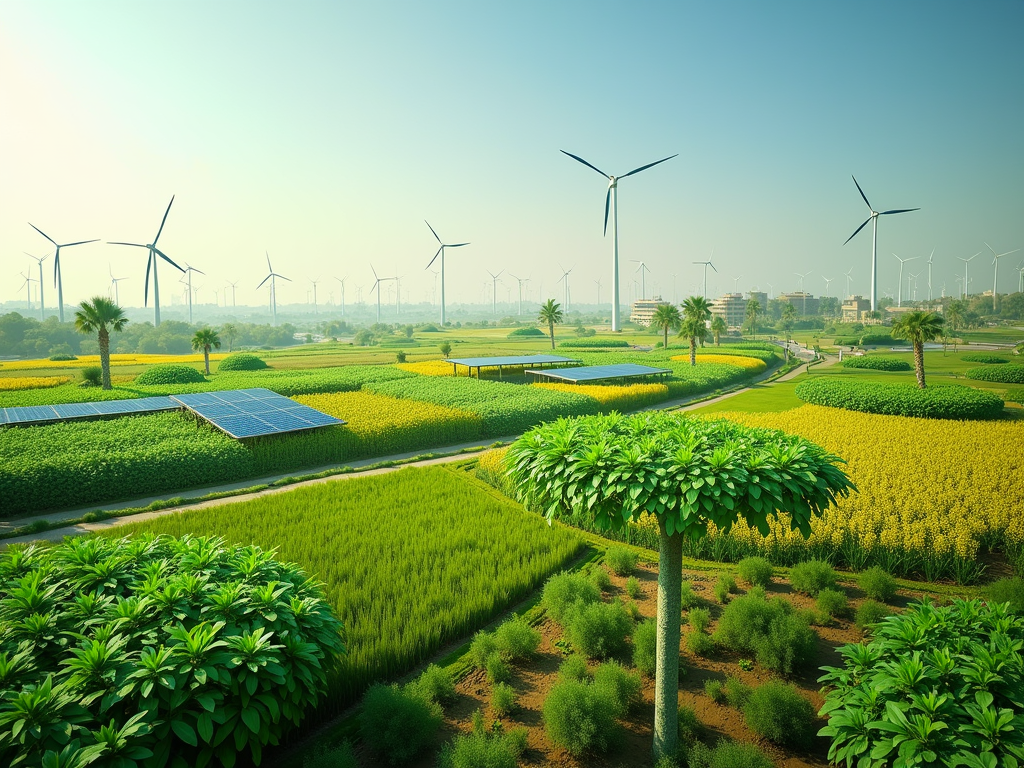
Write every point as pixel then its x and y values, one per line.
pixel 324 133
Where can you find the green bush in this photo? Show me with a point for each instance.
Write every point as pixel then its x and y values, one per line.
pixel 1004 374
pixel 875 363
pixel 633 587
pixel 592 343
pixel 937 655
pixel 780 714
pixel 62 357
pixel 936 402
pixel 481 648
pixel 241 361
pixel 714 690
pixel 170 373
pixel 690 726
pixel 622 560
pixel 879 340
pixel 483 750
pixel 92 374
pixel 515 639
pixel 498 670
pixel 755 571
pixel 812 576
pixel 624 686
pixel 565 591
pixel 877 584
pixel 700 644
pixel 436 684
pixel 728 754
pixel 871 612
pixel 503 699
pixel 688 597
pixel 598 630
pixel 581 717
pixel 1015 395
pixel 975 357
pixel 736 692
pixel 340 756
pixel 601 579
pixel 725 586
pixel 100 630
pixel 1010 591
pixel 645 645
pixel 779 639
pixel 530 331
pixel 832 603
pixel 574 668
pixel 700 619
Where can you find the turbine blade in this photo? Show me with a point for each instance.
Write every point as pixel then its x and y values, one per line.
pixel 862 194
pixel 432 230
pixel 270 269
pixel 899 210
pixel 283 277
pixel 712 266
pixel 145 293
pixel 80 242
pixel 37 229
pixel 197 270
pixel 56 267
pixel 435 257
pixel 456 245
pixel 134 245
pixel 649 165
pixel 163 221
pixel 607 202
pixel 858 230
pixel 580 159
pixel 262 281
pixel 167 258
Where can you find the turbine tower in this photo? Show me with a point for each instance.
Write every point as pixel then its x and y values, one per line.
pixel 494 290
pixel 828 282
pixel 189 269
pixel 598 284
pixel 1020 279
pixel 521 280
pixel 966 262
pixel 899 301
pixel 56 268
pixel 803 310
pixel 27 285
pixel 995 277
pixel 611 203
pixel 873 218
pixel 342 281
pixel 912 277
pixel 706 265
pixel 151 264
pixel 643 269
pixel 233 285
pixel 736 283
pixel 272 277
pixel 849 276
pixel 113 284
pixel 39 261
pixel 376 286
pixel 565 279
pixel 315 282
pixel 440 252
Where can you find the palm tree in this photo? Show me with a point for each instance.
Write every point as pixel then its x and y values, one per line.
pixel 666 316
pixel 918 328
pixel 204 339
pixel 955 319
pixel 551 313
pixel 100 317
pixel 718 327
pixel 788 318
pixel 230 332
pixel 696 313
pixel 753 310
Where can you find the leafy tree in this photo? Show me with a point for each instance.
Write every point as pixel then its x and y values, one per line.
pixel 100 317
pixel 446 348
pixel 788 319
pixel 551 313
pixel 204 340
pixel 230 331
pixel 687 473
pixel 696 313
pixel 918 327
pixel 753 311
pixel 718 327
pixel 666 317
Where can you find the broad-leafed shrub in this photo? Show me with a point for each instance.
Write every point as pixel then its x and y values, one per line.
pixel 985 359
pixel 1004 374
pixel 169 373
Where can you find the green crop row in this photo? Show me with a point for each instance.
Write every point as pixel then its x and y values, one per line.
pixel 1004 374
pixel 411 560
pixel 876 363
pixel 935 402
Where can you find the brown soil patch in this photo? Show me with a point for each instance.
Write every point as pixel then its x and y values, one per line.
pixel 533 680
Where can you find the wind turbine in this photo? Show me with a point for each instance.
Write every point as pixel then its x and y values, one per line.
pixel 440 252
pixel 849 276
pixel 39 261
pixel 233 285
pixel 803 310
pixel 736 283
pixel 28 288
pixel 598 284
pixel 912 276
pixel 828 282
pixel 899 301
pixel 272 277
pixel 189 269
pixel 494 290
pixel 966 262
pixel 113 284
pixel 521 280
pixel 56 267
pixel 706 265
pixel 342 281
pixel 565 279
pixel 611 202
pixel 995 277
pixel 315 282
pixel 151 264
pixel 930 257
pixel 643 269
pixel 1020 280
pixel 873 218
pixel 771 289
pixel 376 286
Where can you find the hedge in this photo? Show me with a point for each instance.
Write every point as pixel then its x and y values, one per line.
pixel 1005 374
pixel 877 363
pixel 531 331
pixel 170 374
pixel 242 361
pixel 935 402
pixel 988 359
pixel 592 343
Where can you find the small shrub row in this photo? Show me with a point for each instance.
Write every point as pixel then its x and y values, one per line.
pixel 170 374
pixel 984 359
pixel 935 402
pixel 592 343
pixel 875 363
pixel 1003 374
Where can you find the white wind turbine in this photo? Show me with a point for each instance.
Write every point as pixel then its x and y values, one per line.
pixel 494 290
pixel 995 277
pixel 315 283
pixel 27 285
pixel 113 284
pixel 233 285
pixel 643 269
pixel 930 257
pixel 565 280
pixel 803 310
pixel 189 269
pixel 771 289
pixel 376 286
pixel 873 218
pixel 912 276
pixel 967 282
pixel 1020 279
pixel 598 284
pixel 272 277
pixel 56 267
pixel 899 301
pixel 736 283
pixel 39 262
pixel 521 281
pixel 440 252
pixel 706 265
pixel 828 282
pixel 342 281
pixel 611 204
pixel 849 277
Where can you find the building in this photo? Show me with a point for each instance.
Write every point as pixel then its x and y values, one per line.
pixel 854 309
pixel 644 309
pixel 804 303
pixel 761 298
pixel 732 308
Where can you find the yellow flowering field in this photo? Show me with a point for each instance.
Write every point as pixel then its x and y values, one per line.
pixel 115 360
pixel 428 368
pixel 616 397
pixel 750 364
pixel 11 383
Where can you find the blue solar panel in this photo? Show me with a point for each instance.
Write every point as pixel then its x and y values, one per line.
pixel 75 410
pixel 38 414
pixel 602 372
pixel 488 362
pixel 247 413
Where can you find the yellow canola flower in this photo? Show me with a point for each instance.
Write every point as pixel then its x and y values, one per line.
pixel 12 383
pixel 612 397
pixel 428 368
pixel 751 364
pixel 84 361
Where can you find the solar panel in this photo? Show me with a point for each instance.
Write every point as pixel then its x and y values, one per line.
pixel 487 362
pixel 40 414
pixel 602 372
pixel 244 413
pixel 75 410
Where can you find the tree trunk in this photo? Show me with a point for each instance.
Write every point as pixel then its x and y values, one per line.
pixel 919 362
pixel 206 357
pixel 551 328
pixel 718 339
pixel 666 336
pixel 666 681
pixel 693 350
pixel 104 340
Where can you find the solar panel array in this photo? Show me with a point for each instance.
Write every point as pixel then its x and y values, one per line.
pixel 40 414
pixel 243 413
pixel 601 372
pixel 487 362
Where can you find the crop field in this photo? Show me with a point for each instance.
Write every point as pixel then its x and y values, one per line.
pixel 13 383
pixel 612 397
pixel 411 560
pixel 84 361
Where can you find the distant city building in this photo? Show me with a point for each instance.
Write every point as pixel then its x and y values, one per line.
pixel 732 308
pixel 761 297
pixel 644 309
pixel 854 309
pixel 803 302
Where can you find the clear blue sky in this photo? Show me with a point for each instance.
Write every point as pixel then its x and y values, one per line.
pixel 326 132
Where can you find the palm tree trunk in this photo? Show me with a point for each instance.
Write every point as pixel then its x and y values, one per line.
pixel 693 350
pixel 665 328
pixel 551 329
pixel 206 357
pixel 666 681
pixel 104 340
pixel 919 362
